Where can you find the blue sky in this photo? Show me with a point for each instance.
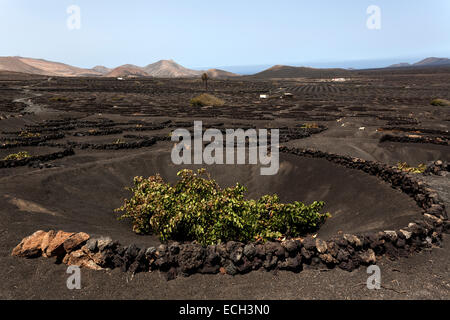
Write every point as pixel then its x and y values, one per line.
pixel 201 33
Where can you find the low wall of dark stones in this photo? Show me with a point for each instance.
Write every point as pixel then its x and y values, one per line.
pixel 345 251
pixel 398 121
pixel 439 167
pixel 433 140
pixel 103 132
pixel 146 141
pixel 36 159
pixel 115 146
pixel 28 142
pixel 286 134
pixel 147 127
pixel 418 130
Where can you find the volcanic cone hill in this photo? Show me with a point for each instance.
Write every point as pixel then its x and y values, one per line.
pixel 280 71
pixel 127 70
pixel 169 69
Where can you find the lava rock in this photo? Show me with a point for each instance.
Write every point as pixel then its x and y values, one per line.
pixel 433 220
pixel 245 266
pixel 231 269
pixel 257 263
pixel 321 246
pixel 353 240
pixel 436 210
pixel 131 252
pixel 174 248
pixel 260 251
pixel 117 262
pixel 291 264
pixel 306 253
pixel 333 248
pixel 309 243
pixel 237 254
pixel 315 261
pixel 391 251
pixel 368 257
pixel 400 243
pixel 104 243
pixel 150 252
pixel 270 262
pixel 327 259
pixel 347 265
pixel 391 235
pixel 274 248
pixel 212 261
pixel 171 274
pixel 162 249
pixel 406 234
pixel 343 255
pixel 249 251
pixel 191 258
pixel 292 246
pixel 140 263
pixel 446 226
pixel 91 245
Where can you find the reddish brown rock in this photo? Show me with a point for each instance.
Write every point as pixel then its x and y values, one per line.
pixel 30 247
pixel 75 241
pixel 82 259
pixel 56 246
pixel 48 237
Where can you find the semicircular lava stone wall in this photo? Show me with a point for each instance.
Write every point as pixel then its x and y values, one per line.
pixel 36 159
pixel 346 251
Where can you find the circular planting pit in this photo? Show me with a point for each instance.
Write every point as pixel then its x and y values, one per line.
pixel 352 197
pixel 361 226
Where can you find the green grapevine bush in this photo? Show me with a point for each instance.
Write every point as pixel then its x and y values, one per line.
pixel 196 208
pixel 421 168
pixel 18 156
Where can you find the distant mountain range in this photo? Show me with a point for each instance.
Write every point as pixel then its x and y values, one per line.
pixel 428 62
pixel 43 67
pixel 171 69
pixel 160 69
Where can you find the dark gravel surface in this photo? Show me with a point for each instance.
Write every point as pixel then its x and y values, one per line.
pixel 79 192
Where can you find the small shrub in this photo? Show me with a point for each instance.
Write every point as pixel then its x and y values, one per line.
pixel 60 99
pixel 18 156
pixel 118 98
pixel 406 168
pixel 310 126
pixel 206 100
pixel 26 134
pixel 196 208
pixel 440 102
